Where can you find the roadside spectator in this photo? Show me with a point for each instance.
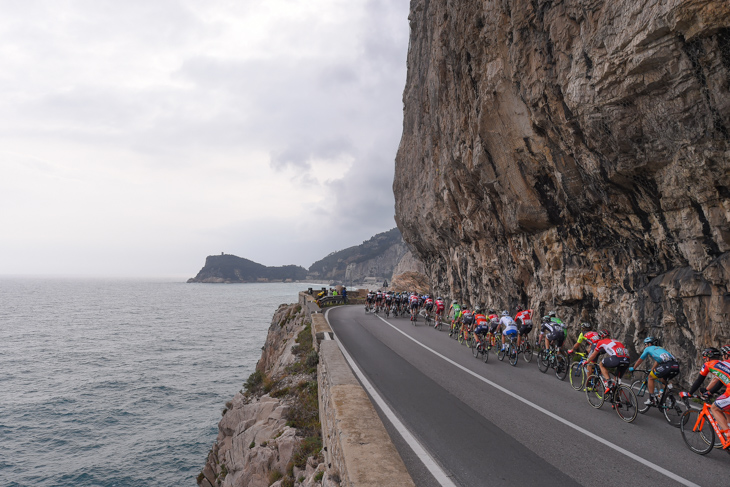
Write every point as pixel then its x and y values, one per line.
pixel 344 294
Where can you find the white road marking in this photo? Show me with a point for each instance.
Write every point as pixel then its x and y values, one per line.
pixel 438 473
pixel 560 419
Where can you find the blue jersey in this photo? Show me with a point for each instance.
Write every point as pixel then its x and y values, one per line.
pixel 659 354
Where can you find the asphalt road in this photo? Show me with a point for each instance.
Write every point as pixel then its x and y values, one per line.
pixel 494 424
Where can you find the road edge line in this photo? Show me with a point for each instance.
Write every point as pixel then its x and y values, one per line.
pixel 420 452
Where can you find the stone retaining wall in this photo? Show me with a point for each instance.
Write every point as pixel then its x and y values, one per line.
pixel 357 446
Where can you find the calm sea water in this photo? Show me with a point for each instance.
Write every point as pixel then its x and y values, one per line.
pixel 122 382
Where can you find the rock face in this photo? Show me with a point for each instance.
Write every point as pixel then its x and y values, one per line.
pixel 256 445
pixel 374 259
pixel 573 155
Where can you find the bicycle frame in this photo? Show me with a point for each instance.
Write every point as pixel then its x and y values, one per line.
pixel 706 415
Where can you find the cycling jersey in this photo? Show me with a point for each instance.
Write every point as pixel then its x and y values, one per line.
pixel 659 354
pixel 612 348
pixel 508 323
pixel 551 327
pixel 722 371
pixel 467 317
pixel 480 319
pixel 440 306
pixel 429 303
pixel 706 367
pixel 457 310
pixel 525 317
pixel 591 336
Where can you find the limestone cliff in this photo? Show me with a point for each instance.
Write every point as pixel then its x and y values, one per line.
pixel 270 434
pixel 573 155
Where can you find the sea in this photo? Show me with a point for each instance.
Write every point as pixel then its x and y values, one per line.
pixel 121 382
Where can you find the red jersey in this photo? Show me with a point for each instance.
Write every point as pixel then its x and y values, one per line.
pixel 591 336
pixel 440 306
pixel 480 319
pixel 525 316
pixel 612 348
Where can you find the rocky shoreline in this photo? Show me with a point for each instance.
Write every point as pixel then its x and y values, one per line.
pixel 270 433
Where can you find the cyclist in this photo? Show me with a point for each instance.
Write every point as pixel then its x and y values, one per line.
pixel 586 334
pixel 467 320
pixel 510 327
pixel 493 326
pixel 378 300
pixel 554 333
pixel 481 322
pixel 428 303
pixel 389 299
pixel 665 367
pixel 440 307
pixel 721 407
pixel 370 299
pixel 524 319
pixel 616 357
pixel 711 356
pixel 413 304
pixel 457 315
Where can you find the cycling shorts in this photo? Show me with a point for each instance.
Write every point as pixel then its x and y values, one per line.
pixel 723 402
pixel 557 336
pixel 666 370
pixel 414 305
pixel 510 332
pixel 481 329
pixel 525 329
pixel 620 363
pixel 493 327
pixel 429 306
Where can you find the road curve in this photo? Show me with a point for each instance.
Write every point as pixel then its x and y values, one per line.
pixel 494 424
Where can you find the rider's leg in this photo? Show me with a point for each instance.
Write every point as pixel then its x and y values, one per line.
pixel 604 371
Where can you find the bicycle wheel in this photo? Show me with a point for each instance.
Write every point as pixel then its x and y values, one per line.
pixel 487 348
pixel 512 354
pixel 625 402
pixel 673 409
pixel 639 388
pixel 543 361
pixel 476 350
pixel 594 391
pixel 698 435
pixel 561 366
pixel 502 353
pixel 576 376
pixel 527 351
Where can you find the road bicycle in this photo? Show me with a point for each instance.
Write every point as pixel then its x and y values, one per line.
pixel 439 322
pixel 525 349
pixel 578 371
pixel 509 351
pixel 621 396
pixel 699 428
pixel 479 346
pixel 552 357
pixel 387 311
pixel 668 404
pixel 455 329
pixel 429 319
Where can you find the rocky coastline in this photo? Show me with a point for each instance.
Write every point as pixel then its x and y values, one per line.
pixel 270 433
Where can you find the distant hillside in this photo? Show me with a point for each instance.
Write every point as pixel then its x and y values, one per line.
pixel 230 268
pixel 372 260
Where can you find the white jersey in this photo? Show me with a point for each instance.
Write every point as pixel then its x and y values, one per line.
pixel 508 323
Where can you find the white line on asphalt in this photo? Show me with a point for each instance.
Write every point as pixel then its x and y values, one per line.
pixel 623 451
pixel 415 445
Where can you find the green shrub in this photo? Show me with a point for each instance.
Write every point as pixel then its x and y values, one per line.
pixel 309 446
pixel 254 381
pixel 275 475
pixel 318 476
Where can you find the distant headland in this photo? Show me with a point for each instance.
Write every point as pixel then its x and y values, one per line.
pixel 369 264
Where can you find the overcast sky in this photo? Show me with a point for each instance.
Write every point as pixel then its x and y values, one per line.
pixel 137 137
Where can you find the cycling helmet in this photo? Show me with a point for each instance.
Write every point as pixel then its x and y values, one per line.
pixel 546 318
pixel 505 313
pixel 519 307
pixel 439 299
pixel 453 302
pixel 552 314
pixel 712 353
pixel 586 326
pixel 725 350
pixel 604 334
pixel 492 312
pixel 477 309
pixel 651 341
